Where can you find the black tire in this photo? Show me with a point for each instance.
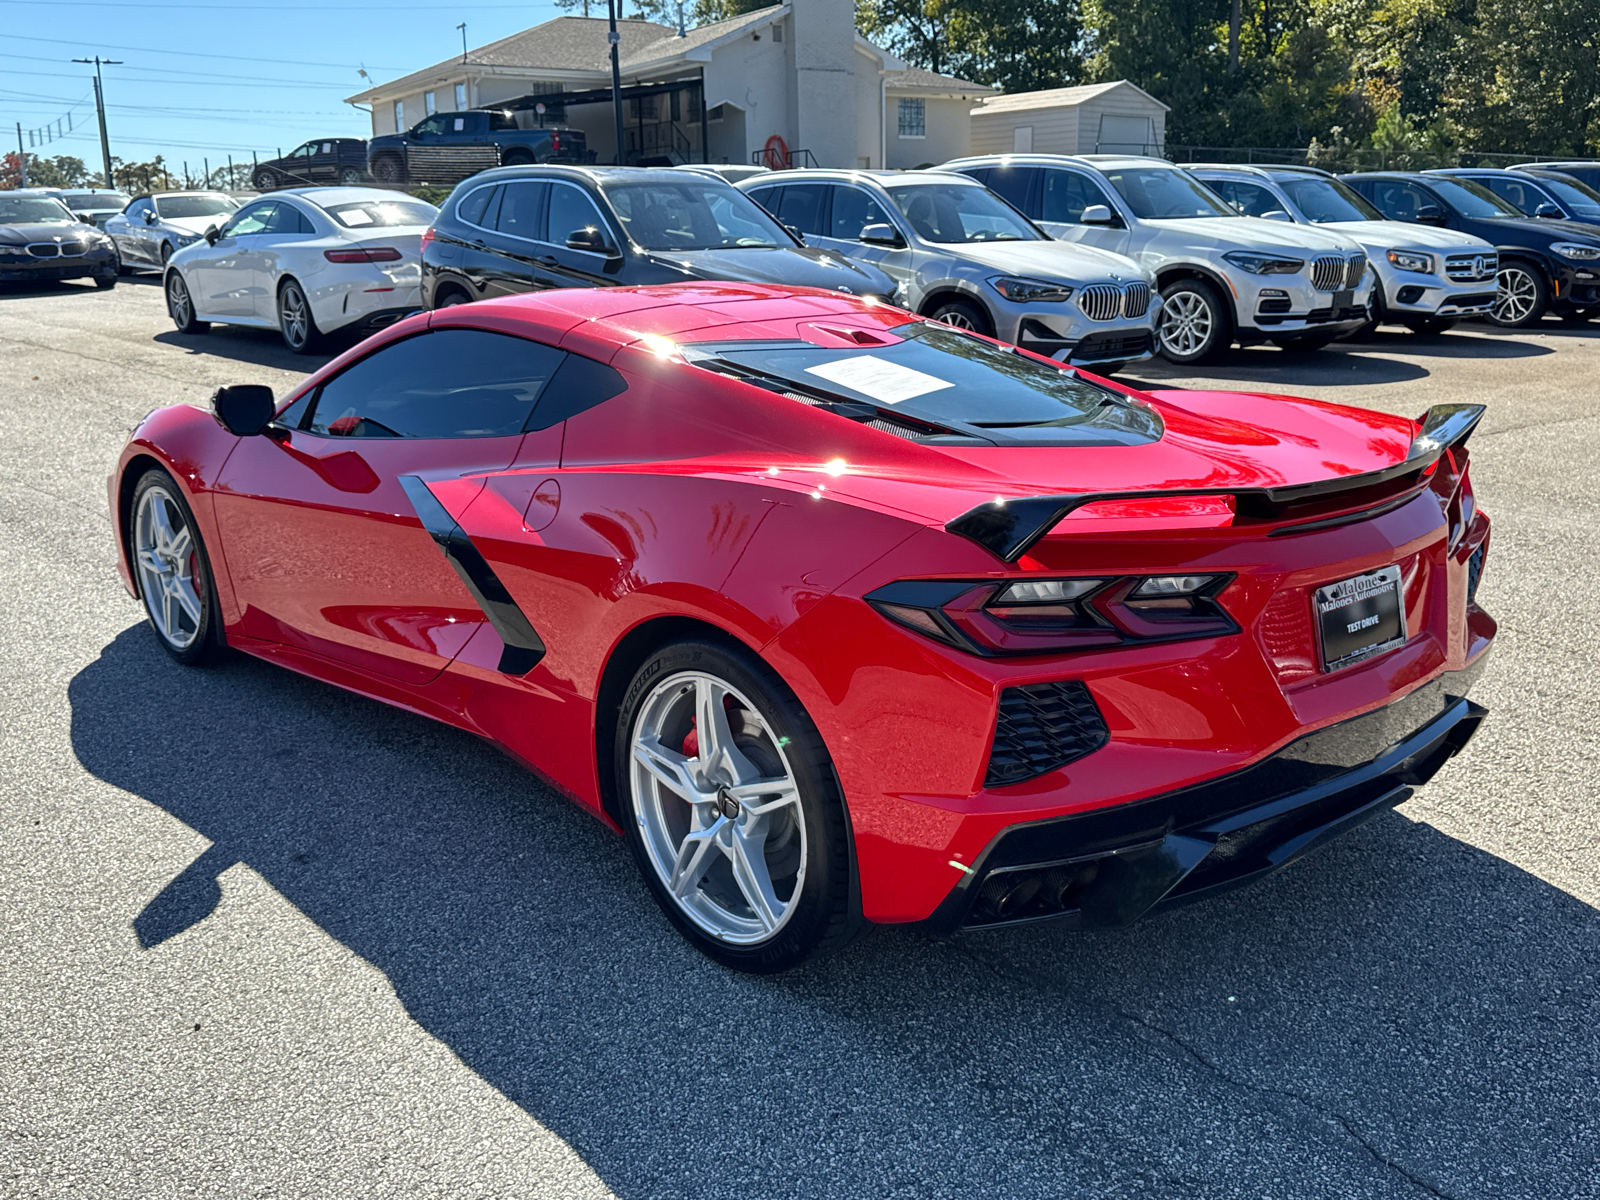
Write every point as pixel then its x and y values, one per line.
pixel 450 297
pixel 517 158
pixel 264 180
pixel 1579 316
pixel 1522 296
pixel 122 267
pixel 1307 343
pixel 388 171
pixel 1432 326
pixel 352 177
pixel 208 644
pixel 1377 314
pixel 1193 324
pixel 105 282
pixel 819 913
pixel 301 335
pixel 166 254
pixel 963 314
pixel 180 305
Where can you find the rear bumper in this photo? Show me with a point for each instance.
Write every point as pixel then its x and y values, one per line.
pixel 1109 867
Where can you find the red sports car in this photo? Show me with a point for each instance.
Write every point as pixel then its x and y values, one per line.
pixel 836 614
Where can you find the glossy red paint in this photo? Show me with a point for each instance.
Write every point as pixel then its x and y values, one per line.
pixel 695 496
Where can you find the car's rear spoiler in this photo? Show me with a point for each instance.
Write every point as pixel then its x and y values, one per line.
pixel 1008 527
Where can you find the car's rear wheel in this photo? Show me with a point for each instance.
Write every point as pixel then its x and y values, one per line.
pixel 450 297
pixel 166 254
pixel 264 180
pixel 122 267
pixel 1192 325
pixel 963 314
pixel 174 573
pixel 1580 316
pixel 180 306
pixel 105 282
pixel 1432 326
pixel 732 809
pixel 387 170
pixel 1521 298
pixel 295 322
pixel 516 158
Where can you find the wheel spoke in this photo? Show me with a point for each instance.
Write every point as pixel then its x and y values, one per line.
pixel 750 873
pixel 179 550
pixel 715 738
pixel 169 616
pixel 694 858
pixel 187 600
pixel 668 769
pixel 780 792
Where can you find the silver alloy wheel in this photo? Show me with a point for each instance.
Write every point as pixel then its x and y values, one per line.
pixel 1515 296
pixel 167 560
pixel 292 316
pixel 958 318
pixel 1186 323
pixel 177 300
pixel 722 827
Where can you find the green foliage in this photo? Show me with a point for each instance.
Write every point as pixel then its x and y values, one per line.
pixel 430 194
pixel 1015 45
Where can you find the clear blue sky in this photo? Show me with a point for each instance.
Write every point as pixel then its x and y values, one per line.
pixel 201 80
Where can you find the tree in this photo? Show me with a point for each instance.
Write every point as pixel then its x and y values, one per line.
pixel 63 171
pixel 1014 45
pixel 141 177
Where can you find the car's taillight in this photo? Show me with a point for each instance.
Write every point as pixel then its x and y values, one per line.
pixel 555 142
pixel 1048 616
pixel 427 238
pixel 374 254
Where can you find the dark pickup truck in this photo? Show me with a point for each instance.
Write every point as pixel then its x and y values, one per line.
pixel 448 147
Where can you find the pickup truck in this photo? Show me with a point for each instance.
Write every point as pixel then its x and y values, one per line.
pixel 447 147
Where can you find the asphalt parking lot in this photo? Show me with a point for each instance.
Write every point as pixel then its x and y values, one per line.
pixel 262 938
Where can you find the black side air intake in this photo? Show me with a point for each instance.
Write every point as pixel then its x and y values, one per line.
pixel 1042 726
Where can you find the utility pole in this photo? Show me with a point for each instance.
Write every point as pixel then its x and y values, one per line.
pixel 22 160
pixel 616 73
pixel 463 28
pixel 100 108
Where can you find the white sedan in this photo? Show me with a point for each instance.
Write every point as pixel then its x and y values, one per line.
pixel 307 262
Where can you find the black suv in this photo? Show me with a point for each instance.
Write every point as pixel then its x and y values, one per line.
pixel 1533 193
pixel 1585 172
pixel 1545 265
pixel 326 161
pixel 525 229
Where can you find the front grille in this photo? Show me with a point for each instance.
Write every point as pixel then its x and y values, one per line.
pixel 1327 273
pixel 1321 316
pixel 1471 268
pixel 1100 301
pixel 1043 726
pixel 1354 269
pixel 1135 300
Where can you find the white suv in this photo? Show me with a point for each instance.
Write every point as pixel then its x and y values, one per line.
pixel 1223 277
pixel 1428 279
pixel 961 255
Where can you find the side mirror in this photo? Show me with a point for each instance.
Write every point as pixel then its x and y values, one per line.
pixel 1097 214
pixel 149 216
pixel 882 235
pixel 212 235
pixel 591 239
pixel 1277 214
pixel 1430 214
pixel 1548 211
pixel 85 219
pixel 244 409
pixel 794 232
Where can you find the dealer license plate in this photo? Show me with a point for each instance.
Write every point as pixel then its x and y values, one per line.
pixel 1342 301
pixel 1359 617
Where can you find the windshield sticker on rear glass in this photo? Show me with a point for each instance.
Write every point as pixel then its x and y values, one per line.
pixel 878 378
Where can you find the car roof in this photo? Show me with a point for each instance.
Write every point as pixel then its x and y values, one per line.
pixel 322 196
pixel 595 174
pixel 182 192
pixel 882 178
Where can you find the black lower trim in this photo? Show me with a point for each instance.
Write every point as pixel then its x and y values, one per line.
pixel 1108 867
pixel 523 646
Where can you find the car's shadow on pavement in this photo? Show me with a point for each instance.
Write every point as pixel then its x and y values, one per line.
pixel 255 347
pixel 1400 1015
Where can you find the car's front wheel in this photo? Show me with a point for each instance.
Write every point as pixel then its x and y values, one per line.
pixel 180 306
pixel 731 807
pixel 1192 325
pixel 352 177
pixel 1521 298
pixel 264 180
pixel 174 573
pixel 963 314
pixel 387 170
pixel 295 322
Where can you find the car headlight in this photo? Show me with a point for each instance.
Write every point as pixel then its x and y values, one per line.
pixel 1263 264
pixel 1030 291
pixel 1577 250
pixel 1410 260
pixel 187 239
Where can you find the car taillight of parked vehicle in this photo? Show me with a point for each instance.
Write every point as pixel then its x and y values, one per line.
pixel 555 143
pixel 427 238
pixel 375 254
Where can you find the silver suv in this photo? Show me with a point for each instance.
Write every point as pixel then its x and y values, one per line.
pixel 963 256
pixel 1223 277
pixel 1428 279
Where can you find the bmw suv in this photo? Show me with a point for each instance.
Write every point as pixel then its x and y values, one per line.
pixel 961 255
pixel 1428 279
pixel 1223 277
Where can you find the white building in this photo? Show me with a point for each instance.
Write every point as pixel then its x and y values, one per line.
pixel 1101 118
pixel 795 79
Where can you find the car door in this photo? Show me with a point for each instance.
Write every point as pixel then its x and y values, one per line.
pixel 324 548
pixel 1522 194
pixel 270 253
pixel 324 163
pixel 222 280
pixel 568 210
pixel 1062 198
pixel 519 260
pixel 1397 199
pixel 849 210
pixel 128 231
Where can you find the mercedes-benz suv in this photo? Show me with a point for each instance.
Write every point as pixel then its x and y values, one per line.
pixel 1223 277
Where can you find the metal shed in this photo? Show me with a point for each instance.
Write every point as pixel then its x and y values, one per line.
pixel 1099 118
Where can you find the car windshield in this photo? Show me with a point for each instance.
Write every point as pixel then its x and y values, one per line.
pixel 89 202
pixel 33 210
pixel 1583 200
pixel 946 385
pixel 211 205
pixel 387 214
pixel 684 213
pixel 1166 194
pixel 1325 200
pixel 1472 200
pixel 953 213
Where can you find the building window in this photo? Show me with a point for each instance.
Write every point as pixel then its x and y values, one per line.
pixel 461 97
pixel 399 116
pixel 777 33
pixel 427 104
pixel 913 118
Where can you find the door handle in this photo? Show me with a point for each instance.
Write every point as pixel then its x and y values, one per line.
pixel 480 243
pixel 548 260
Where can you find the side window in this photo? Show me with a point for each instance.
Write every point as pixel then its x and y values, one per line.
pixel 853 211
pixel 452 383
pixel 1012 184
pixel 521 206
pixel 137 209
pixel 305 151
pixel 1066 194
pixel 286 219
pixel 578 384
pixel 805 206
pixel 1514 192
pixel 476 206
pixel 570 210
pixel 1251 199
pixel 767 197
pixel 431 125
pixel 1398 201
pixel 253 219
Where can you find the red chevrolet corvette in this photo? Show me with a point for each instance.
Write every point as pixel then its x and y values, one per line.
pixel 836 614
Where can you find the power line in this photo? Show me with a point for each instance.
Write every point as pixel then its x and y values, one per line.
pixel 287 62
pixel 194 82
pixel 166 71
pixel 376 11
